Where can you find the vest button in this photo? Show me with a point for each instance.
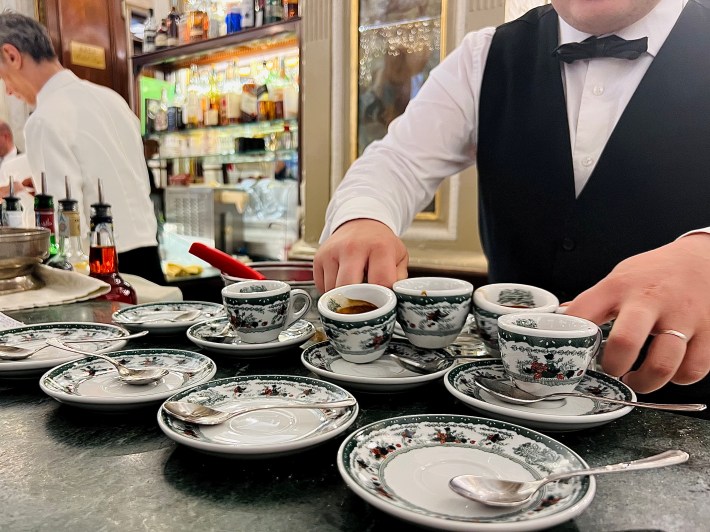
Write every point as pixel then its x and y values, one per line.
pixel 568 244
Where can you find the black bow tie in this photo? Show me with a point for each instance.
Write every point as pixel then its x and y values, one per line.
pixel 611 46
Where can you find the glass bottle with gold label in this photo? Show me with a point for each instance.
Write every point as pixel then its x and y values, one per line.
pixel 69 230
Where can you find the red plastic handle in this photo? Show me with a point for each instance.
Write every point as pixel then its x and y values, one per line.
pixel 225 263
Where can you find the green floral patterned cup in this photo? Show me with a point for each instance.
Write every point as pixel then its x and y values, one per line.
pixel 432 310
pixel 493 300
pixel 260 310
pixel 363 336
pixel 547 353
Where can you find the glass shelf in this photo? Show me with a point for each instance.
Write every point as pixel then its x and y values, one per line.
pixel 235 157
pixel 242 129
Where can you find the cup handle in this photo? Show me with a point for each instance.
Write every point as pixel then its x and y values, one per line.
pixel 293 314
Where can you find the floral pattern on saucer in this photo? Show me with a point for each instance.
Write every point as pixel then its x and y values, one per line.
pixel 33 336
pixel 567 414
pixel 93 383
pixel 203 334
pixel 402 466
pixel 382 375
pixel 263 433
pixel 168 309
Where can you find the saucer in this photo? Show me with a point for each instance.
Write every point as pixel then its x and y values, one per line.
pixel 402 466
pixel 94 384
pixel 564 415
pixel 296 334
pixel 264 433
pixel 382 375
pixel 32 336
pixel 127 316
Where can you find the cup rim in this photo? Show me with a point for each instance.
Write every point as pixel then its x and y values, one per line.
pixel 388 306
pixel 463 288
pixel 480 301
pixel 506 322
pixel 232 290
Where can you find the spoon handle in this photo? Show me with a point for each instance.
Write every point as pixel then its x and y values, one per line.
pixel 694 407
pixel 659 460
pixel 116 339
pixel 331 404
pixel 57 343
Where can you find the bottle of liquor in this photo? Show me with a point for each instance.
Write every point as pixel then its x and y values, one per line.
pixel 274 11
pixel 44 216
pixel 69 230
pixel 161 114
pixel 290 9
pixel 248 12
pixel 161 36
pixel 150 28
pixel 173 24
pixel 12 214
pixel 230 108
pixel 103 259
pixel 214 97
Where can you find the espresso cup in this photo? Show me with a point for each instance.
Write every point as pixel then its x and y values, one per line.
pixel 546 353
pixel 432 310
pixel 359 320
pixel 260 310
pixel 494 300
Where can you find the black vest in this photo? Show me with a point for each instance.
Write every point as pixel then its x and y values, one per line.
pixel 650 185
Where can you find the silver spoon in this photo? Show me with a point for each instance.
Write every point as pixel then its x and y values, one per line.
pixel 127 375
pixel 204 415
pixel 15 352
pixel 501 492
pixel 508 392
pixel 188 315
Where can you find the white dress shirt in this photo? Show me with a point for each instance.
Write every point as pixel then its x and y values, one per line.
pixel 436 136
pixel 86 132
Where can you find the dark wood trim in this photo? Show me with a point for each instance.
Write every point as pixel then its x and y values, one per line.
pixel 50 13
pixel 119 47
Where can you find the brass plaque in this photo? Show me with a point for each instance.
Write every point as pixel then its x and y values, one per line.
pixel 88 55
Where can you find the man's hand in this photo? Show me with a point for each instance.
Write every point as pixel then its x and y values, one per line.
pixel 360 249
pixel 667 288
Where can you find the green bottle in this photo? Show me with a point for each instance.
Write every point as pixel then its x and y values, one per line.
pixel 44 216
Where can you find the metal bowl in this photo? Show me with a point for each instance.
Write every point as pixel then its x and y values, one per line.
pixel 21 250
pixel 298 274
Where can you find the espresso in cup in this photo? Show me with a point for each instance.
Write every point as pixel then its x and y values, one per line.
pixel 357 307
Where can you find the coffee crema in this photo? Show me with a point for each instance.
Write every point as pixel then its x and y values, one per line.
pixel 357 308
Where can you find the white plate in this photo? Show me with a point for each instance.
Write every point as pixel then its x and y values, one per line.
pixel 382 375
pixel 564 415
pixel 94 384
pixel 296 334
pixel 169 309
pixel 32 336
pixel 402 466
pixel 264 433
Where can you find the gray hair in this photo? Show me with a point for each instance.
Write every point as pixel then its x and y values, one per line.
pixel 27 35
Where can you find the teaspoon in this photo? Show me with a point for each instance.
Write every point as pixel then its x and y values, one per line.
pixel 424 367
pixel 15 352
pixel 500 492
pixel 512 394
pixel 188 315
pixel 204 415
pixel 127 375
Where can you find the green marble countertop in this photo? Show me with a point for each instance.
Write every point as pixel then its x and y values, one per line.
pixel 65 468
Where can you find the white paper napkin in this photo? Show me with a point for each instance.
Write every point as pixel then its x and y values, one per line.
pixel 60 287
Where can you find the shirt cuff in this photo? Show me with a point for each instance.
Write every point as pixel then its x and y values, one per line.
pixel 357 208
pixel 695 232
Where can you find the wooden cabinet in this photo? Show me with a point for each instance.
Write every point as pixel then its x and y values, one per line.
pixel 89 37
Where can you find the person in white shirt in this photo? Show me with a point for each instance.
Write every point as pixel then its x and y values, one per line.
pixel 595 166
pixel 85 132
pixel 8 152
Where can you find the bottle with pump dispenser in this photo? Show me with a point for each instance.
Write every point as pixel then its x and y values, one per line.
pixel 103 258
pixel 12 211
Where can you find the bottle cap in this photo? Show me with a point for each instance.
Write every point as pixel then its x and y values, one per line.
pixel 100 211
pixel 44 201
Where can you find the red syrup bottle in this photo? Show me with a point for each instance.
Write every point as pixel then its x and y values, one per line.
pixel 103 259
